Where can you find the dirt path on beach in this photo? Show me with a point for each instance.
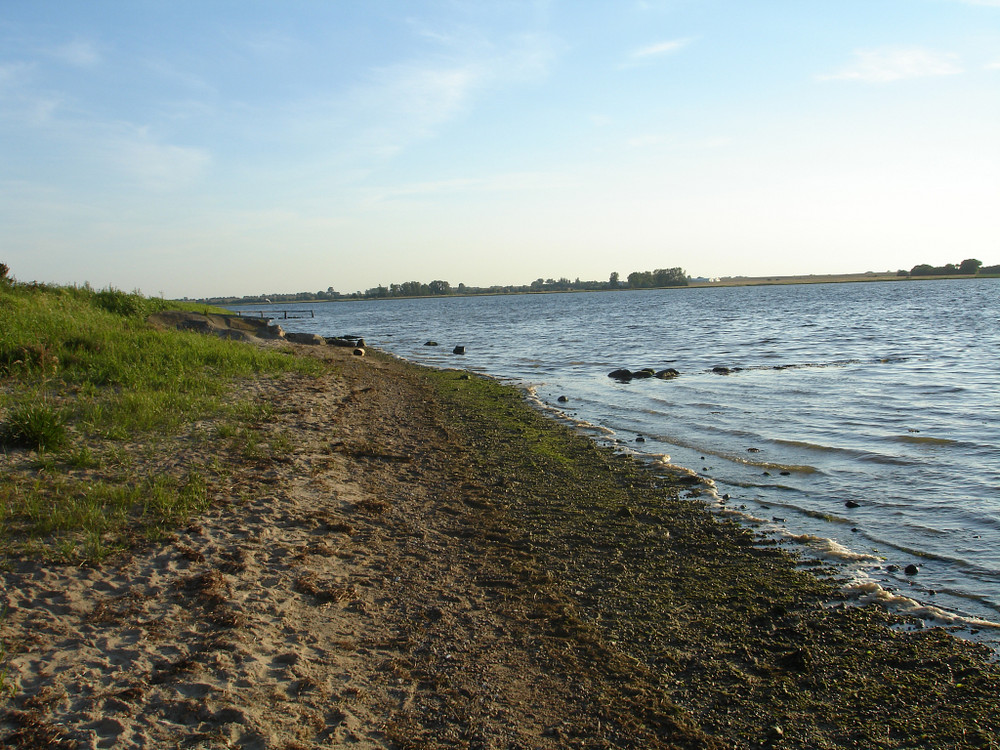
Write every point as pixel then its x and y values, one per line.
pixel 335 597
pixel 394 579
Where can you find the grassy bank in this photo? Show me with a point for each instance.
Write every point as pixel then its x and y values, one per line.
pixel 87 386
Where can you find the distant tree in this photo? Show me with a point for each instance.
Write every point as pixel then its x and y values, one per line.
pixel 970 266
pixel 669 277
pixel 613 281
pixel 439 287
pixel 640 279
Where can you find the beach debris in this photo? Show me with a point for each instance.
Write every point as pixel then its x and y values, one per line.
pixel 359 352
pixel 345 341
pixel 312 339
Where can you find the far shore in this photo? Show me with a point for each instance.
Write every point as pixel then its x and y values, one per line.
pixel 728 281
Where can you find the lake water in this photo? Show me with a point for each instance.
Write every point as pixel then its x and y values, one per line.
pixel 861 421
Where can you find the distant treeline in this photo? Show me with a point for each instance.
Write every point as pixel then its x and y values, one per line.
pixel 661 277
pixel 969 267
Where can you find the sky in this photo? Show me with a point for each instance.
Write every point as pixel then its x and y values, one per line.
pixel 242 147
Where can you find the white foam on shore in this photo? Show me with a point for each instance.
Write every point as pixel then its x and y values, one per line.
pixel 830 548
pixel 868 592
pixel 531 392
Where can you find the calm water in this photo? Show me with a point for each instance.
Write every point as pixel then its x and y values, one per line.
pixel 884 395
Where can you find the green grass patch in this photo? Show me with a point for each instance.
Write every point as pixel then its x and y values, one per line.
pixel 69 519
pixel 36 424
pixel 81 372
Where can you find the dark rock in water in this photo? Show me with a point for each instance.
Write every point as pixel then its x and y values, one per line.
pixel 852 504
pixel 458 350
pixel 911 570
pixel 640 439
pixel 721 370
pixel 891 568
pixel 646 372
pixel 431 343
pixel 622 375
pixel 785 473
pixel 562 399
pixel 667 374
pixel 753 450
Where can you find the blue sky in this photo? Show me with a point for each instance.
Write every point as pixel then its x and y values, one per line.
pixel 230 148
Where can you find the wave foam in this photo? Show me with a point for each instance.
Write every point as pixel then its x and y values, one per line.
pixel 868 592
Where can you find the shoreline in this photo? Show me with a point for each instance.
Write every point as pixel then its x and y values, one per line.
pixel 849 278
pixel 434 563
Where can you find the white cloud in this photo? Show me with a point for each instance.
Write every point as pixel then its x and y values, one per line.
pixel 993 65
pixel 649 140
pixel 652 52
pixel 152 164
pixel 412 100
pixel 11 74
pixel 888 65
pixel 80 53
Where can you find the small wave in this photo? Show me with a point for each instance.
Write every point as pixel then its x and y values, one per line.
pixel 920 440
pixel 583 425
pixel 830 548
pixel 867 592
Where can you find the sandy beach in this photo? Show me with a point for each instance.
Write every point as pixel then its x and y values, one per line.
pixel 428 563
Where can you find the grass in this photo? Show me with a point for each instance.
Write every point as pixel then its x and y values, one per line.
pixel 84 380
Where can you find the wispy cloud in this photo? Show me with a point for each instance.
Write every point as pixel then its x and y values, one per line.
pixel 513 182
pixel 412 100
pixel 12 72
pixel 161 166
pixel 888 65
pixel 649 53
pixel 649 140
pixel 993 65
pixel 81 53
